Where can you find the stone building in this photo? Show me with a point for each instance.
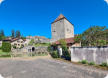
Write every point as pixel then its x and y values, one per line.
pixel 17 42
pixel 39 39
pixel 61 28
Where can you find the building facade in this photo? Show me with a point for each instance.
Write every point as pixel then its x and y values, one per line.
pixel 61 28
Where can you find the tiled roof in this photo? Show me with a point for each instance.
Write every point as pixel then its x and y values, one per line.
pixel 68 40
pixel 13 39
pixel 59 18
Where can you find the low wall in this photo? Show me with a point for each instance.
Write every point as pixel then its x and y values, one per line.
pixel 91 54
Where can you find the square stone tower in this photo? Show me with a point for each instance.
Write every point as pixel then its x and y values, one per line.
pixel 61 28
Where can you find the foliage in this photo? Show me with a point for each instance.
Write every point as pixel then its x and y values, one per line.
pixel 104 65
pixel 66 53
pixel 4 54
pixel 13 33
pixel 6 47
pixel 18 34
pixel 55 54
pixel 2 33
pixel 42 44
pixel 31 42
pixel 94 36
pixel 22 37
pixel 49 48
pixel 2 37
pixel 0 48
pixel 84 61
pixel 78 38
pixel 91 63
pixel 14 46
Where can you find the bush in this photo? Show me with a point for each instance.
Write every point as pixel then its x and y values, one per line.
pixel 55 54
pixel 66 54
pixel 14 47
pixel 49 48
pixel 0 48
pixel 6 47
pixel 84 61
pixel 104 65
pixel 92 63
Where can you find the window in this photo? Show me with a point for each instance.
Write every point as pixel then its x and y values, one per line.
pixel 54 31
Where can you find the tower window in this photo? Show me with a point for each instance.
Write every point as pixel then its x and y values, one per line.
pixel 54 31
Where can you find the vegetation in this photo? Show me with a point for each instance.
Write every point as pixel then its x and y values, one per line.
pixel 31 42
pixel 49 48
pixel 91 63
pixel 84 61
pixel 66 53
pixel 18 34
pixel 0 48
pixel 104 65
pixel 55 54
pixel 94 36
pixel 4 54
pixel 2 35
pixel 6 47
pixel 13 33
pixel 42 44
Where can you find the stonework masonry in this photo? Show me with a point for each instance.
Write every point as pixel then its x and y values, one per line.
pixel 91 54
pixel 61 29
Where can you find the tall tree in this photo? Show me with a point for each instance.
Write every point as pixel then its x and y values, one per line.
pixel 94 36
pixel 13 33
pixel 18 34
pixel 2 33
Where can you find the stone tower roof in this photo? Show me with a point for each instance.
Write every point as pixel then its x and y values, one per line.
pixel 59 18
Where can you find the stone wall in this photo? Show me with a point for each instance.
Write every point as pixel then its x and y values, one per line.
pixel 91 54
pixel 69 29
pixel 57 30
pixel 62 29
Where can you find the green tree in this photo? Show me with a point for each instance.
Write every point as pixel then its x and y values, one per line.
pixel 18 34
pixel 13 33
pixel 66 53
pixel 2 33
pixel 6 47
pixel 94 36
pixel 31 42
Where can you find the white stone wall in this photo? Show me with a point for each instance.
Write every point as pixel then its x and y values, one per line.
pixel 97 55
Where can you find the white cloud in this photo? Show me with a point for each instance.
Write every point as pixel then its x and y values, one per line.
pixel 106 1
pixel 1 1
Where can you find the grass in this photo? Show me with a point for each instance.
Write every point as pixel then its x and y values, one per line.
pixel 41 44
pixel 4 54
pixel 79 63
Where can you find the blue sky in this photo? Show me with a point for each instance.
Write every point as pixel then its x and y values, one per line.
pixel 34 17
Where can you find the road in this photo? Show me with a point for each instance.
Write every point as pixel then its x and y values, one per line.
pixel 46 68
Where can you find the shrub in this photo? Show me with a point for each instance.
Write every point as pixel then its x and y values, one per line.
pixel 92 63
pixel 0 48
pixel 66 54
pixel 6 47
pixel 14 47
pixel 49 48
pixel 84 61
pixel 55 54
pixel 104 65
